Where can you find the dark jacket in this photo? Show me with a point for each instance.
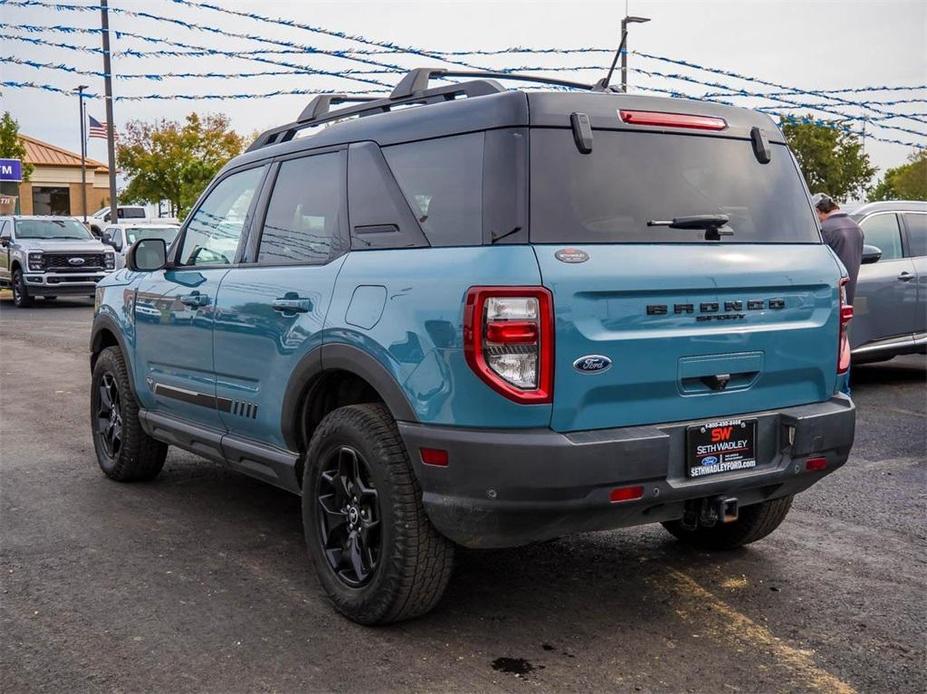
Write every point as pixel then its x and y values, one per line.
pixel 846 238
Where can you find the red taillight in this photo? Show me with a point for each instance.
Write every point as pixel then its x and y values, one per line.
pixel 672 120
pixel 843 344
pixel 434 456
pixel 620 494
pixel 815 464
pixel 509 340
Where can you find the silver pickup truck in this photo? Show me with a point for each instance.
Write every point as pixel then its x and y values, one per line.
pixel 50 256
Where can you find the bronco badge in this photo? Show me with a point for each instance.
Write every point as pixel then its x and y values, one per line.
pixel 592 364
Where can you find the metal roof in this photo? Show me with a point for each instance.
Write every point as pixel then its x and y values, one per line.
pixel 40 153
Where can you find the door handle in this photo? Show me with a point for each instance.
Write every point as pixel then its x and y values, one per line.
pixel 292 304
pixel 194 299
pixel 906 276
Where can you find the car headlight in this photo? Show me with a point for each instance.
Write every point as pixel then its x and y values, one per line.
pixel 36 261
pixel 110 261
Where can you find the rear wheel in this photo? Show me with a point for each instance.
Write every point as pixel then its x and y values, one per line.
pixel 754 523
pixel 376 553
pixel 21 298
pixel 124 451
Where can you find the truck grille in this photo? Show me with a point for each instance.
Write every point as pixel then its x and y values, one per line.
pixel 61 262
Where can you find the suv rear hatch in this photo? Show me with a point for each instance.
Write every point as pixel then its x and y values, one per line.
pixel 657 324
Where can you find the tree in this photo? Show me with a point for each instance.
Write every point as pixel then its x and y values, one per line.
pixel 11 147
pixel 831 159
pixel 905 182
pixel 166 160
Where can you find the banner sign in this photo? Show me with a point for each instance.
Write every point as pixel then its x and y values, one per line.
pixel 11 170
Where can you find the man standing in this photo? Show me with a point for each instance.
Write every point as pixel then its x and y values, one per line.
pixel 846 238
pixel 843 235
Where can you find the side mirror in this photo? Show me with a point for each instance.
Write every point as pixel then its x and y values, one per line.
pixel 871 254
pixel 147 255
pixel 5 241
pixel 117 245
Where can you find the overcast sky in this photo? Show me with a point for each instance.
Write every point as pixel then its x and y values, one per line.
pixel 809 45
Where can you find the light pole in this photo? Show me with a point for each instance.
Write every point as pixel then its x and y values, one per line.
pixel 83 150
pixel 624 53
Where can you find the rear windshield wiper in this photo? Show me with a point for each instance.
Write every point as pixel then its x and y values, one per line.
pixel 713 224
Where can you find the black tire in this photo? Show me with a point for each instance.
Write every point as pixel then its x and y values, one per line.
pixel 409 563
pixel 754 523
pixel 21 298
pixel 133 455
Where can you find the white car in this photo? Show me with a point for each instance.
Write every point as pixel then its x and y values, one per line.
pixel 121 236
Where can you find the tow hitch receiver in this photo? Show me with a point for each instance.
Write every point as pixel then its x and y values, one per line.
pixel 707 512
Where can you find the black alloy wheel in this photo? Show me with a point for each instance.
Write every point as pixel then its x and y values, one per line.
pixel 348 507
pixel 109 416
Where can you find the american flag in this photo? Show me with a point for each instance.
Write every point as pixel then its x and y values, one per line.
pixel 97 129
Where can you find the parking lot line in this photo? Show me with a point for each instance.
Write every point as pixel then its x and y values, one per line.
pixel 727 624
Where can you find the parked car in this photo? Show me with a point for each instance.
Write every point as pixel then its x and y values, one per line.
pixel 138 213
pixel 50 256
pixel 890 308
pixel 466 315
pixel 121 236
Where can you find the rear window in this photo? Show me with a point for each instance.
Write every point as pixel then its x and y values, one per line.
pixel 630 178
pixel 131 212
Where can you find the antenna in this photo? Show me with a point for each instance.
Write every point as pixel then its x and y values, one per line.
pixel 603 84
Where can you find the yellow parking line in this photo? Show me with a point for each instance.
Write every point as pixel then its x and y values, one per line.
pixel 730 625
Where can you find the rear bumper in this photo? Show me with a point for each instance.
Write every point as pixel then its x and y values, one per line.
pixel 506 487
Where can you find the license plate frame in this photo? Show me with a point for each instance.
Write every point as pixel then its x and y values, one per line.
pixel 721 446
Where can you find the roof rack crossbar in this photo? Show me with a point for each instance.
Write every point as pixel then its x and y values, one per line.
pixel 317 111
pixel 416 80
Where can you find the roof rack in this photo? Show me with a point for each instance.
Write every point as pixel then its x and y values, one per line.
pixel 412 89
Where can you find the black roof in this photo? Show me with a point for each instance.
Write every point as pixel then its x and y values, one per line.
pixel 414 113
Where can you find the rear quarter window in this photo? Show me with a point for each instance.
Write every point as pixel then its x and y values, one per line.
pixel 442 180
pixel 917 232
pixel 630 178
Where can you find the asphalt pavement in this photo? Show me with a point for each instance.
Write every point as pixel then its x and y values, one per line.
pixel 199 581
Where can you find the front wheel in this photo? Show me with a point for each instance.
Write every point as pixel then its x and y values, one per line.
pixel 21 298
pixel 754 523
pixel 124 451
pixel 376 553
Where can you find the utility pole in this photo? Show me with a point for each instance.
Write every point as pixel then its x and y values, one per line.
pixel 83 150
pixel 110 129
pixel 624 54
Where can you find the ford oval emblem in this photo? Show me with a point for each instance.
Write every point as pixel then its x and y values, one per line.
pixel 76 261
pixel 592 364
pixel 571 255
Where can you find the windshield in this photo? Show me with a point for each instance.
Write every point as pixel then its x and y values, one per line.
pixel 133 234
pixel 631 178
pixel 51 229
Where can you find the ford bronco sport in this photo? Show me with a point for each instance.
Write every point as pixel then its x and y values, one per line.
pixel 492 319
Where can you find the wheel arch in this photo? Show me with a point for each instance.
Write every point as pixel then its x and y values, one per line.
pixel 105 333
pixel 333 376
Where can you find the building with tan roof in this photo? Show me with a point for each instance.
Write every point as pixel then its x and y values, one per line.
pixel 54 187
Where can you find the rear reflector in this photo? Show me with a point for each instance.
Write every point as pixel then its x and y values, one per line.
pixel 672 120
pixel 434 456
pixel 626 494
pixel 814 464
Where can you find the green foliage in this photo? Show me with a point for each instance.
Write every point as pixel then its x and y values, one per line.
pixel 905 182
pixel 166 160
pixel 831 160
pixel 11 147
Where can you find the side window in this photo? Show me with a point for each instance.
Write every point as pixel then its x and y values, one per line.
pixel 881 231
pixel 305 218
pixel 443 181
pixel 917 233
pixel 212 235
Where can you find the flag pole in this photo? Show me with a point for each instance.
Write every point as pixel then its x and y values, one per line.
pixel 83 150
pixel 110 125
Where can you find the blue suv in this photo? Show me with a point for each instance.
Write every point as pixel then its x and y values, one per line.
pixel 466 315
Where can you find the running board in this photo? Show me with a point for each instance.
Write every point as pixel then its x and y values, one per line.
pixel 266 463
